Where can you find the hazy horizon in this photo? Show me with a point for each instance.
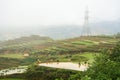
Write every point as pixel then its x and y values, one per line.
pixel 25 17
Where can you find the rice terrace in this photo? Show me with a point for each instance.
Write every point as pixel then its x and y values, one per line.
pixel 59 40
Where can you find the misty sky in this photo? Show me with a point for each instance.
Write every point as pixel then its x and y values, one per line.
pixel 25 13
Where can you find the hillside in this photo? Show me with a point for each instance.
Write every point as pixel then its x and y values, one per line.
pixel 76 45
pixel 44 44
pixel 19 45
pixel 45 49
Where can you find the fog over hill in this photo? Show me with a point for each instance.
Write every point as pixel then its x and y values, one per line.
pixel 58 19
pixel 60 31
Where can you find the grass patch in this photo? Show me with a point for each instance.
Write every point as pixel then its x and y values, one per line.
pixel 82 57
pixel 85 42
pixel 89 56
pixel 18 56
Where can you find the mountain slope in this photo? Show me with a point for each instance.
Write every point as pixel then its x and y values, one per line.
pixel 23 43
pixel 61 31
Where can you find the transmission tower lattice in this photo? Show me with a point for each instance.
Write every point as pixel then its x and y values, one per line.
pixel 86 28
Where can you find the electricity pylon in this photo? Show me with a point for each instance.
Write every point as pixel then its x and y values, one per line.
pixel 86 27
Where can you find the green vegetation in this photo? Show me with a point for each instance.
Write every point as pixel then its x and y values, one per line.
pixel 45 73
pixel 105 67
pixel 14 62
pixel 11 79
pixel 7 62
pixel 85 42
pixel 17 55
pixel 76 57
pixel 23 44
pixel 105 64
pixel 36 44
pixel 117 35
pixel 87 55
pixel 49 50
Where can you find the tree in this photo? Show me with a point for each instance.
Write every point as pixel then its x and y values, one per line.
pixel 115 53
pixel 106 65
pixel 117 35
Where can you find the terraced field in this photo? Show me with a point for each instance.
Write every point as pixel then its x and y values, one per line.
pixel 78 49
pixel 17 56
